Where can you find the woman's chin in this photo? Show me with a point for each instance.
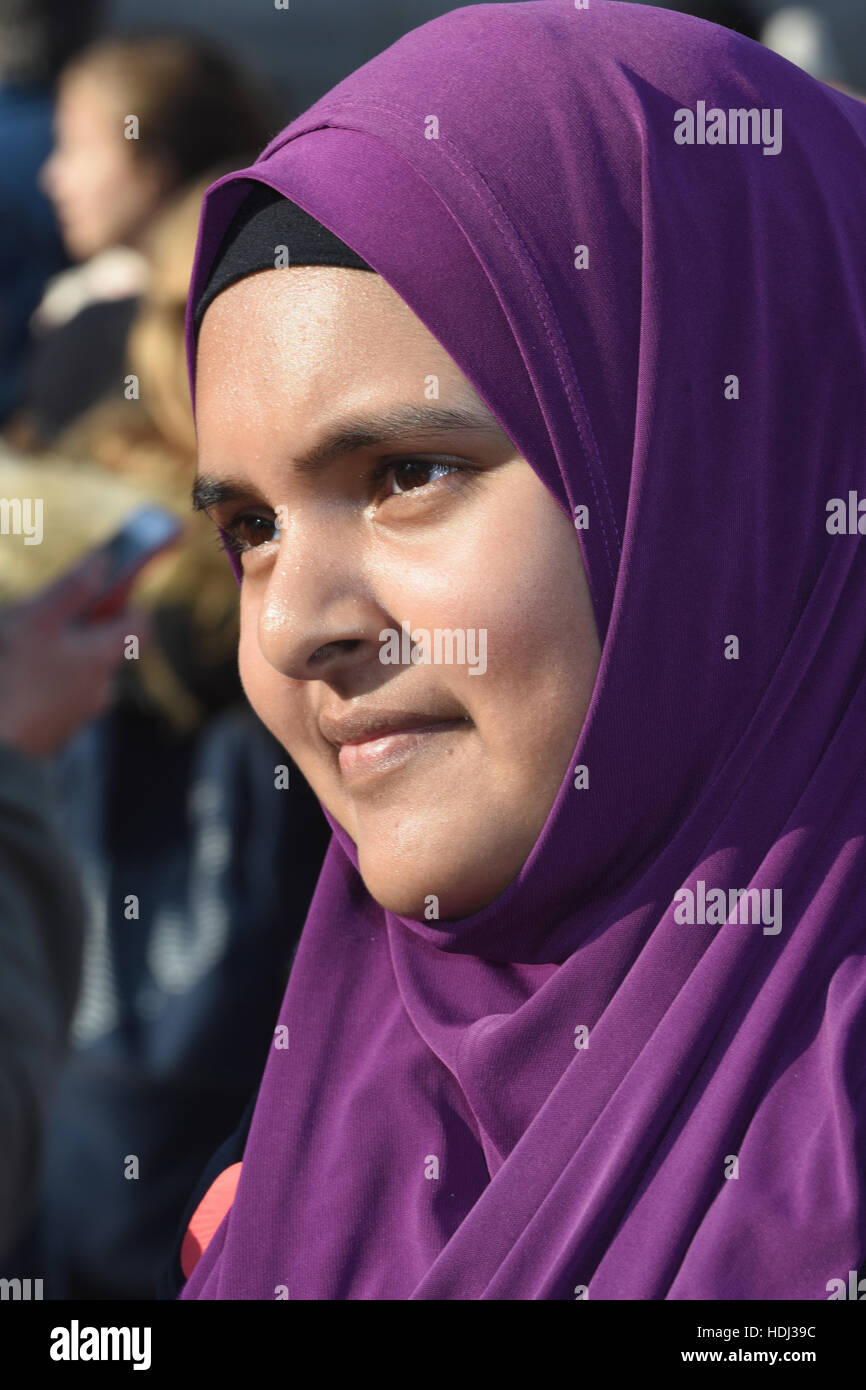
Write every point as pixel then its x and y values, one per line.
pixel 432 889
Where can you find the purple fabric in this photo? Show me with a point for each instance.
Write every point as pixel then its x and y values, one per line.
pixel 602 1168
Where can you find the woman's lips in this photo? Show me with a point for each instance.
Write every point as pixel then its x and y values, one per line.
pixel 384 751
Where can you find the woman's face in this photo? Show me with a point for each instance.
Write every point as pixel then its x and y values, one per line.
pixel 394 527
pixel 102 193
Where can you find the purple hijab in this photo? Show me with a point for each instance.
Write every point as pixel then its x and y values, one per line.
pixel 578 1091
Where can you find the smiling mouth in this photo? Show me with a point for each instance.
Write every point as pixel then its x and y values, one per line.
pixel 383 752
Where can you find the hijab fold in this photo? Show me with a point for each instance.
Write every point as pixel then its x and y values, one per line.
pixel 577 1092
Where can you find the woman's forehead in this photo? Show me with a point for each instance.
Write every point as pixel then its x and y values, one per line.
pixel 287 292
pixel 312 328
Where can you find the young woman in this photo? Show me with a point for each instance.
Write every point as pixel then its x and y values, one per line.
pixel 547 328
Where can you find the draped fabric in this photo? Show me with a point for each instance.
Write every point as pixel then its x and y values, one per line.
pixel 622 1078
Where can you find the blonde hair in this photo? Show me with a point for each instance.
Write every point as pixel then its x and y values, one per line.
pixel 150 443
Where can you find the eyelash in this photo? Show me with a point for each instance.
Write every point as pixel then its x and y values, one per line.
pixel 234 542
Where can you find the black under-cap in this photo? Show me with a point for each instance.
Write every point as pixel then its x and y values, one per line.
pixel 264 221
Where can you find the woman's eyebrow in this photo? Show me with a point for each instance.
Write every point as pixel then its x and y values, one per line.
pixel 209 492
pixel 402 422
pixel 362 432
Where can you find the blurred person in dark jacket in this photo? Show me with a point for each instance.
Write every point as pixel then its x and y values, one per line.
pixel 136 119
pixel 36 38
pixel 56 674
pixel 197 845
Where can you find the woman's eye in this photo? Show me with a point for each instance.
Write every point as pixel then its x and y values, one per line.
pixel 408 475
pixel 249 532
pixel 391 477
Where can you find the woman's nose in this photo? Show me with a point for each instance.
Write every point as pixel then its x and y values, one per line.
pixel 318 615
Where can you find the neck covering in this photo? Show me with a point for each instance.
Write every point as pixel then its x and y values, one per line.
pixel 586 1089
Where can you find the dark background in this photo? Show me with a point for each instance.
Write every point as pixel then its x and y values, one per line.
pixel 325 40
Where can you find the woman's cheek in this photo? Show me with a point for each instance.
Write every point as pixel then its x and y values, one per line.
pixel 278 701
pixel 258 677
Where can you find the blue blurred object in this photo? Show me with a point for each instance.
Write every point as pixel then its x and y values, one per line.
pixel 31 250
pixel 180 991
